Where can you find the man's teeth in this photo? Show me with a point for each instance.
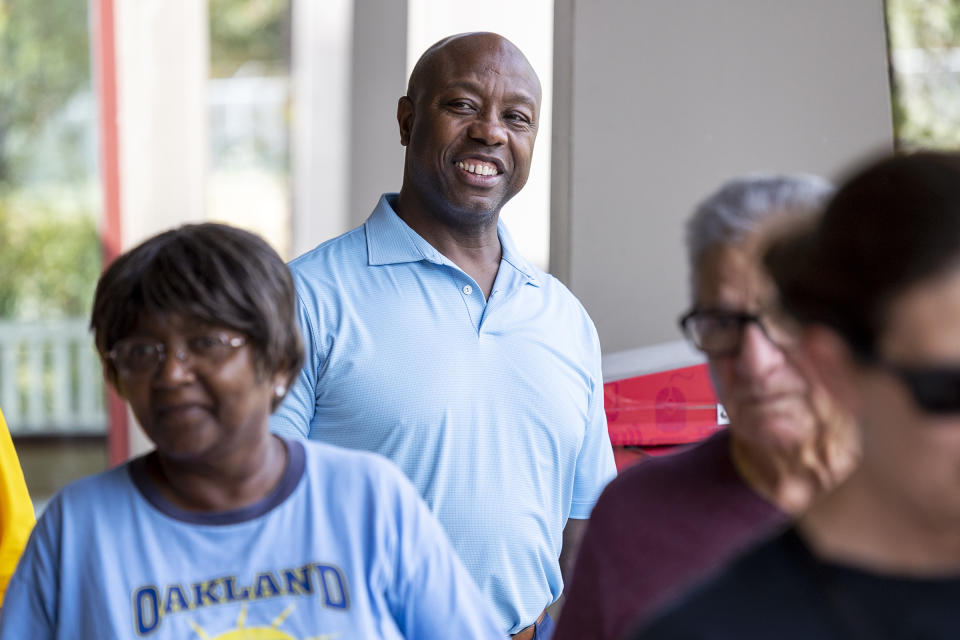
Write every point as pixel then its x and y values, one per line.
pixel 478 168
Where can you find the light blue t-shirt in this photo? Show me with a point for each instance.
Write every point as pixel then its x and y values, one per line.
pixel 343 548
pixel 493 408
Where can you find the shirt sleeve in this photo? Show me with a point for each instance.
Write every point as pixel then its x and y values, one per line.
pixel 29 609
pixel 294 417
pixel 16 509
pixel 595 466
pixel 433 595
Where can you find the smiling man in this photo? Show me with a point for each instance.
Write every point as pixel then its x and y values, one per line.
pixel 430 340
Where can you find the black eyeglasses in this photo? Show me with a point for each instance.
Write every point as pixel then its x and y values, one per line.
pixel 935 389
pixel 134 357
pixel 719 333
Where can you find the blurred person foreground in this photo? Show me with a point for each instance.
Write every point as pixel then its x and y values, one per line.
pixel 876 287
pixel 669 521
pixel 16 509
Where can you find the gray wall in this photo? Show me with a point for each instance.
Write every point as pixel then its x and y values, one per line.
pixel 378 79
pixel 657 102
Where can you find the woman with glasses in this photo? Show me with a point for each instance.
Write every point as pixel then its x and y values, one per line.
pixel 876 287
pixel 225 530
pixel 670 520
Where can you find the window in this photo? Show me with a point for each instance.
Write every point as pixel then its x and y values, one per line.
pixel 51 392
pixel 924 41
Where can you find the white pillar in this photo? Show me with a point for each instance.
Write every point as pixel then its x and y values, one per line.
pixel 320 141
pixel 162 69
pixel 162 63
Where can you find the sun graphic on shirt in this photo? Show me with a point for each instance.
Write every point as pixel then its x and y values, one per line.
pixel 240 632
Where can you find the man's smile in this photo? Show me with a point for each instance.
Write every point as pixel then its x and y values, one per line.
pixel 479 170
pixel 479 167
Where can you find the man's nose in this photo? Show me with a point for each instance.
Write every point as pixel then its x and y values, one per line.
pixel 758 354
pixel 488 129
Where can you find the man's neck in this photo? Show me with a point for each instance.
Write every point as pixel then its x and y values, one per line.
pixel 795 476
pixel 862 526
pixel 475 249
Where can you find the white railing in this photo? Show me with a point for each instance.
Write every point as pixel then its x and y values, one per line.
pixel 50 378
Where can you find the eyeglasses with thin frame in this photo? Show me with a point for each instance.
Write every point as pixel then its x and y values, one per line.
pixel 934 388
pixel 719 332
pixel 134 357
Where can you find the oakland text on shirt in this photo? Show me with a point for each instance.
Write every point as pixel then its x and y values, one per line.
pixel 151 604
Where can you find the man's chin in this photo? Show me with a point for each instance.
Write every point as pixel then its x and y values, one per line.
pixel 472 213
pixel 781 422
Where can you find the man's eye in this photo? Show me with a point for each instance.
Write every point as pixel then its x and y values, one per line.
pixel 462 105
pixel 720 323
pixel 517 117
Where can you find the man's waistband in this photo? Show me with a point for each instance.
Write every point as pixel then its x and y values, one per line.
pixel 527 633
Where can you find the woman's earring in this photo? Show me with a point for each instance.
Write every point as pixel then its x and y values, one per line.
pixel 279 390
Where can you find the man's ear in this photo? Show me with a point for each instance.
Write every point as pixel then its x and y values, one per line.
pixel 405 118
pixel 834 364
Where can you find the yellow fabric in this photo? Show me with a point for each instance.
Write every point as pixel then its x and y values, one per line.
pixel 16 510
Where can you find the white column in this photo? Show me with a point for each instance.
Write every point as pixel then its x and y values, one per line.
pixel 320 140
pixel 162 69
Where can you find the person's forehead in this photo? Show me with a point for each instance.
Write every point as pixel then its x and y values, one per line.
pixel 922 322
pixel 168 323
pixel 479 60
pixel 731 276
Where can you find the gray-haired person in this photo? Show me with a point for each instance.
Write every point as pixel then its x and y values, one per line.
pixel 666 522
pixel 875 290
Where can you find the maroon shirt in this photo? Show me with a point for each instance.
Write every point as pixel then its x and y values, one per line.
pixel 659 527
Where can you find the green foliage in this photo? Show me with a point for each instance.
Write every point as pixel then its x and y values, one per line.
pixel 44 60
pixel 243 31
pixel 50 261
pixel 925 24
pixel 924 38
pixel 49 245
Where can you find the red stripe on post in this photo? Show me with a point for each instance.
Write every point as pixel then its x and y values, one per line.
pixel 111 230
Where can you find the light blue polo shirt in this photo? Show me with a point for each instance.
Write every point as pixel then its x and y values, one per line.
pixel 493 408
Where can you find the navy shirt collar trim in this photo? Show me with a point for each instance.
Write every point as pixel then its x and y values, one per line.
pixel 296 463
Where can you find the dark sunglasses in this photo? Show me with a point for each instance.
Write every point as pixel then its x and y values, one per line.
pixel 935 389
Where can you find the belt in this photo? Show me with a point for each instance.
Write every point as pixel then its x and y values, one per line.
pixel 527 633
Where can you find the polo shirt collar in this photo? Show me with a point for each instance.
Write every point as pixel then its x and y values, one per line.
pixel 391 241
pixel 512 257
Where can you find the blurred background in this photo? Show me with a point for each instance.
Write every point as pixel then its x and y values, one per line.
pixel 120 118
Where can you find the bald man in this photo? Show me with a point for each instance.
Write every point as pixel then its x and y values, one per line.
pixel 430 340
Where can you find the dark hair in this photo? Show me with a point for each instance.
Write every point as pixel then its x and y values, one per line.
pixel 212 273
pixel 892 225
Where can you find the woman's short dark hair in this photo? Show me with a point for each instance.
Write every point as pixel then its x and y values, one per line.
pixel 212 273
pixel 892 225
